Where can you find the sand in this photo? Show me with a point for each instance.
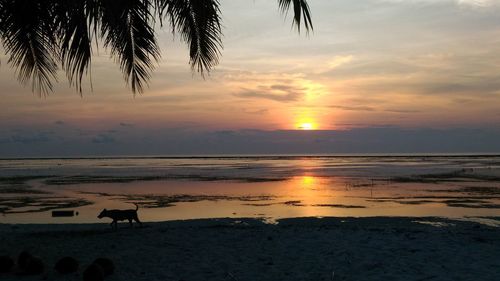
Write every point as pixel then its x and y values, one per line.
pixel 377 248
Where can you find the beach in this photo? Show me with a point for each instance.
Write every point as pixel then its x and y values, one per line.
pixel 377 248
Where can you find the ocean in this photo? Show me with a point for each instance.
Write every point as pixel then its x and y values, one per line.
pixel 267 187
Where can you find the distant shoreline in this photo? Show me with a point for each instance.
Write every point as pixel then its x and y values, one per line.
pixel 268 156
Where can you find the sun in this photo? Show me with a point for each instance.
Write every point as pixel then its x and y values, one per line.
pixel 306 123
pixel 306 126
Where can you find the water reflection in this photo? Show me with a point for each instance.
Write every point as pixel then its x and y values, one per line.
pixel 308 182
pixel 305 191
pixel 305 195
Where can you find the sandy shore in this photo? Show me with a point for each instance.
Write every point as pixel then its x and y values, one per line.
pixel 247 249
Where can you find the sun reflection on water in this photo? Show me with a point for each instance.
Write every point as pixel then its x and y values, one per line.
pixel 308 182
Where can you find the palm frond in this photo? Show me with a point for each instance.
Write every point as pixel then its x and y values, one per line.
pixel 199 23
pixel 38 34
pixel 4 14
pixel 29 41
pixel 74 19
pixel 301 13
pixel 127 31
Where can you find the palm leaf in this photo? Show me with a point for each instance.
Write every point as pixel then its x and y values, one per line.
pixel 199 23
pixel 74 19
pixel 301 12
pixel 127 31
pixel 29 41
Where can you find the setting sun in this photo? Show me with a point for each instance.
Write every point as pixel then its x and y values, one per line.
pixel 307 126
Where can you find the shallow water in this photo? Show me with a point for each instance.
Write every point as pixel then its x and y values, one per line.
pixel 267 187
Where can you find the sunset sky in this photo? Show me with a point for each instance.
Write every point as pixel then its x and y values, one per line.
pixel 379 71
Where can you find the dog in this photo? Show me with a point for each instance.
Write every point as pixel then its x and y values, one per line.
pixel 121 215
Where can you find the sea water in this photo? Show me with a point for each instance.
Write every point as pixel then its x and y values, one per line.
pixel 269 187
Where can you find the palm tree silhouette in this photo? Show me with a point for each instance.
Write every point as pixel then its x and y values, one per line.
pixel 39 36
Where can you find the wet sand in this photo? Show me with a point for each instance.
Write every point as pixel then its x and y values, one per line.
pixel 377 248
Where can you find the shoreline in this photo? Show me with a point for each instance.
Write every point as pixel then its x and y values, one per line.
pixel 331 248
pixel 491 221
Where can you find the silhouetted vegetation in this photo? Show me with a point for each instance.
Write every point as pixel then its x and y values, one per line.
pixel 41 36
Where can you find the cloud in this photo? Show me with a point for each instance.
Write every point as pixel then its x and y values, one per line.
pixel 367 67
pixel 30 137
pixel 282 87
pixel 59 122
pixel 353 108
pixel 123 124
pixel 275 92
pixel 84 132
pixel 103 138
pixel 431 86
pixel 369 108
pixel 348 126
pixel 257 111
pixel 352 138
pixel 224 133
pixel 479 3
pixel 402 110
pixel 285 97
pixel 473 3
pixel 338 61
